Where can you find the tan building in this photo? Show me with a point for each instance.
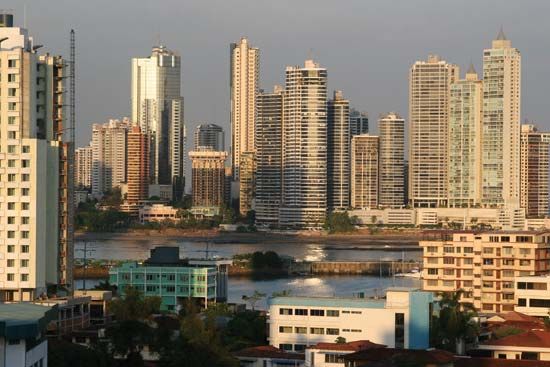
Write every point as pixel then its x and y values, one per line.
pixel 83 167
pixel 36 181
pixel 158 213
pixel 137 166
pixel 501 124
pixel 429 90
pixel 208 178
pixel 466 103
pixel 364 171
pixel 534 171
pixel 391 192
pixel 244 87
pixel 247 187
pixel 484 264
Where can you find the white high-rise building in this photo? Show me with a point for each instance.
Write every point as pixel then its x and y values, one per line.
pixel 364 171
pixel 465 133
pixel 83 167
pixel 391 167
pixel 109 151
pixel 338 128
pixel 244 88
pixel 157 105
pixel 36 228
pixel 429 88
pixel 501 124
pixel 304 163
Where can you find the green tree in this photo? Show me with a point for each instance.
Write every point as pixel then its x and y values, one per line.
pixel 339 222
pixel 253 299
pixel 134 306
pixel 62 353
pixel 245 329
pixel 340 340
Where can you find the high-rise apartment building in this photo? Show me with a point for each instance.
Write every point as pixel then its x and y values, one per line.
pixel 465 117
pixel 501 124
pixel 338 152
pixel 534 171
pixel 244 87
pixel 36 225
pixel 269 126
pixel 364 171
pixel 157 106
pixel 109 143
pixel 83 167
pixel 429 88
pixel 391 128
pixel 137 170
pixel 358 122
pixel 247 186
pixel 304 162
pixel 208 178
pixel 209 136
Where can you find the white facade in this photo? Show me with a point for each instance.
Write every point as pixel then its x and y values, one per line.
pixel 297 322
pixel 338 154
pixel 364 171
pixel 83 167
pixel 391 181
pixel 532 295
pixel 158 213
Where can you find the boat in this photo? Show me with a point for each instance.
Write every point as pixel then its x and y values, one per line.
pixel 414 273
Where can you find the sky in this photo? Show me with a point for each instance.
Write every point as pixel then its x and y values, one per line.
pixel 367 46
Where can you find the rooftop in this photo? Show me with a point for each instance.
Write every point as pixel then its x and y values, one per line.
pixel 529 339
pixel 431 356
pixel 494 362
pixel 24 320
pixel 267 351
pixel 351 346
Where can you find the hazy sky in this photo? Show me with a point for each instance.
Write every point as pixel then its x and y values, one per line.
pixel 366 45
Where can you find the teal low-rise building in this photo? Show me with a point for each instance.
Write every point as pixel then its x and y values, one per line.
pixel 174 280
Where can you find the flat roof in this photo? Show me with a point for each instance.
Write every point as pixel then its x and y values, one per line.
pixel 327 302
pixel 24 320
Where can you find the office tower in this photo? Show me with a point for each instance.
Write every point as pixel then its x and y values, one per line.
pixel 247 184
pixel 137 171
pixel 244 86
pixel 338 154
pixel 304 162
pixel 364 171
pixel 269 127
pixel 83 167
pixel 109 142
pixel 429 88
pixel 36 225
pixel 534 171
pixel 358 122
pixel 209 136
pixel 208 178
pixel 501 124
pixel 391 128
pixel 157 105
pixel 466 103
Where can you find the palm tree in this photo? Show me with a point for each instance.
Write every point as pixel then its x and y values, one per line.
pixel 455 322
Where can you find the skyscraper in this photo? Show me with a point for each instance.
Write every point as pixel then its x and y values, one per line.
pixel 244 87
pixel 364 171
pixel 137 170
pixel 304 162
pixel 358 122
pixel 83 167
pixel 209 136
pixel 269 125
pixel 534 171
pixel 247 186
pixel 501 124
pixel 109 143
pixel 157 105
pixel 35 185
pixel 338 153
pixel 465 117
pixel 391 173
pixel 429 88
pixel 208 178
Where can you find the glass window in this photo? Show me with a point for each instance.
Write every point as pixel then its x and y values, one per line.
pixel 333 313
pixel 300 312
pixel 300 330
pixel 285 329
pixel 317 313
pixel 285 311
pixel 332 331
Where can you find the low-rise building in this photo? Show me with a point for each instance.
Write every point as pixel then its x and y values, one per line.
pixel 99 305
pixel 22 334
pixel 173 279
pixel 158 213
pixel 532 295
pixel 268 356
pixel 530 345
pixel 73 314
pixel 392 357
pixel 401 320
pixel 329 354
pixel 483 264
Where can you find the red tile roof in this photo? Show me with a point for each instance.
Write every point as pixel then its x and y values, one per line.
pixel 431 356
pixel 531 338
pixel 492 362
pixel 515 316
pixel 351 346
pixel 267 351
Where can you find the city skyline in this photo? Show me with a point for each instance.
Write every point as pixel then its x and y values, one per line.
pixel 204 60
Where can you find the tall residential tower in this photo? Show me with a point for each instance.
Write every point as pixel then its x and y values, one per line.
pixel 210 136
pixel 391 185
pixel 338 154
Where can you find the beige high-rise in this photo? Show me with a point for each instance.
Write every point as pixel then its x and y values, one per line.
pixel 391 192
pixel 208 178
pixel 429 90
pixel 83 167
pixel 465 141
pixel 364 171
pixel 501 124
pixel 244 88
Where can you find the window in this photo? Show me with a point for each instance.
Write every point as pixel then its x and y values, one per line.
pixel 11 220
pixel 487 273
pixel 448 272
pixel 299 347
pixel 24 277
pixel 505 239
pixel 535 302
pixel 487 250
pixel 431 283
pixel 522 302
pixel 24 220
pixel 468 272
pixel 12 92
pixel 11 263
pixel 531 356
pixel 11 206
pixel 25 163
pixel 11 177
pixel 300 312
pixel 11 191
pixel 448 283
pixel 449 249
pixel 317 331
pixel 11 78
pixel 507 250
pixel 487 284
pixel 25 263
pixel 25 191
pixel 11 248
pixel 468 261
pixel 525 251
pixel 286 347
pixel 332 331
pixel 507 273
pixel 170 289
pixel 334 358
pixel 25 177
pixel 468 250
pixel 12 63
pixel 285 329
pixel 524 239
pixel 26 149
pixel 432 260
pixel 333 313
pixel 432 248
pixel 11 234
pixel 300 330
pixel 24 206
pixel 11 163
pixel 432 271
pixel 12 106
pixel 285 311
pixel 487 261
pixel 399 330
pixel 25 249
pixel 317 313
pixel 462 238
pixel 448 260
pixel 13 341
pixel 11 149
pixel 11 120
pixel 524 262
pixel 25 234
pixel 11 277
